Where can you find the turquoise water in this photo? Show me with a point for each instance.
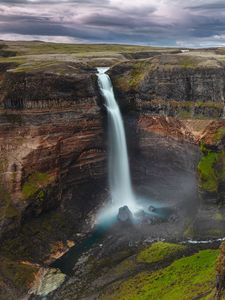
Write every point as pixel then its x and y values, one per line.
pixel 67 262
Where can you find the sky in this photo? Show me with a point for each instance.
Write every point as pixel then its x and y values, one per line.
pixel 180 23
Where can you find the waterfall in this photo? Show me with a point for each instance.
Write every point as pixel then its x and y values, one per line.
pixel 119 171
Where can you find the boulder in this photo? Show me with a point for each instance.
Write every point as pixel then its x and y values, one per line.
pixel 124 214
pixel 151 208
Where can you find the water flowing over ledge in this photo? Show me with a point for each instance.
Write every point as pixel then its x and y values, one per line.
pixel 119 171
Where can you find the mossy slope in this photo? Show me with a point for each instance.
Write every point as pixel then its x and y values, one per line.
pixel 186 278
pixel 211 167
pixel 159 251
pixel 36 182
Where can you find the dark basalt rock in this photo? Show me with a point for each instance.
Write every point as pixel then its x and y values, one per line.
pixel 124 215
pixel 141 214
pixel 156 84
pixel 173 218
pixel 143 217
pixel 151 208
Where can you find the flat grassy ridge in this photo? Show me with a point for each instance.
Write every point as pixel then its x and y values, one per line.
pixel 187 278
pixel 36 56
pixel 37 47
pixel 158 252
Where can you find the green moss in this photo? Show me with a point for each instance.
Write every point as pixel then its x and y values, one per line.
pixel 218 216
pixel 220 133
pixel 207 173
pixel 211 169
pixel 159 251
pixel 132 79
pixel 138 73
pixel 36 182
pixel 186 279
pixel 203 148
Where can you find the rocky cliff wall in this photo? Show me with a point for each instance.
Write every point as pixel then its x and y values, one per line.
pixel 175 85
pixel 45 157
pixel 46 90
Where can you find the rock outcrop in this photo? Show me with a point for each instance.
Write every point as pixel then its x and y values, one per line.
pixel 47 89
pixel 51 141
pixel 124 214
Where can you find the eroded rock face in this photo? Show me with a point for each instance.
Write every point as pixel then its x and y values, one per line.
pixel 52 169
pixel 47 90
pixel 175 85
pixel 51 137
pixel 163 153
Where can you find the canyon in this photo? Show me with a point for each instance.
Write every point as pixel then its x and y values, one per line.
pixel 53 157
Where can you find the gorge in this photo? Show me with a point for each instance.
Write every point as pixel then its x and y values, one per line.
pixel 53 167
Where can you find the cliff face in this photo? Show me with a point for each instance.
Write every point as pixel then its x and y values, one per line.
pixel 212 164
pixel 46 154
pixel 163 154
pixel 175 85
pixel 60 88
pixel 185 87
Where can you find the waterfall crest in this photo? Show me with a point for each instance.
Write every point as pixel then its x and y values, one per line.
pixel 119 171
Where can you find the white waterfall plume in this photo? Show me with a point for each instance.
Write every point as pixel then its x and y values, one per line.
pixel 119 171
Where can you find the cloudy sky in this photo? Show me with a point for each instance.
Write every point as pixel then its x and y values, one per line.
pixel 194 23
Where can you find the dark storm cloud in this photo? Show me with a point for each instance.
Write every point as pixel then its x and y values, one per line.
pixel 209 6
pixel 107 20
pixel 160 22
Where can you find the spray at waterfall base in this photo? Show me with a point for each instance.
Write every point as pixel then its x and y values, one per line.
pixel 123 205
